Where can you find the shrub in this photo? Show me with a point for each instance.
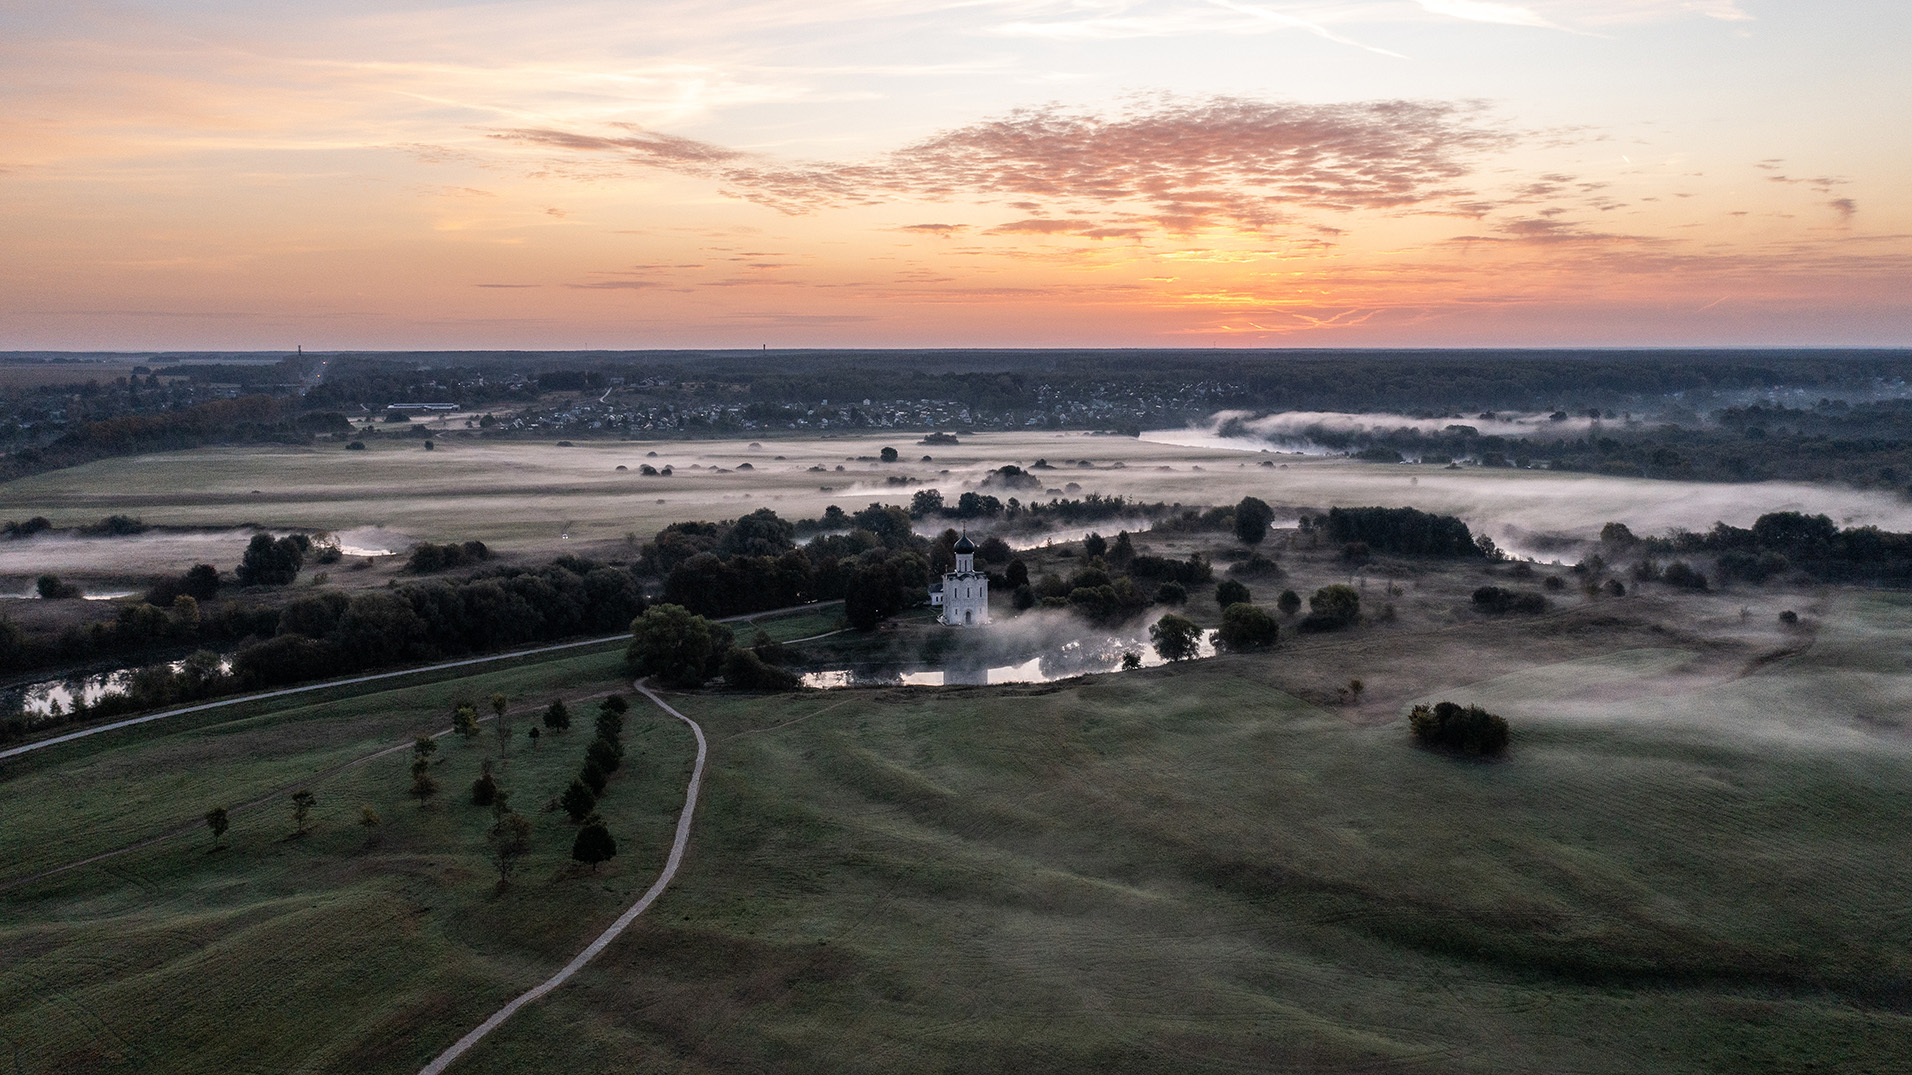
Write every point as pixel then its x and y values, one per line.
pixel 1171 593
pixel 1498 599
pixel 1288 603
pixel 1229 592
pixel 1471 730
pixel 744 670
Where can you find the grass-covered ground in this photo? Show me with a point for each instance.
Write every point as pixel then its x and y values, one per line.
pixel 1678 869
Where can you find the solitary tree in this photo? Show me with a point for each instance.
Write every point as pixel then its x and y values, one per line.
pixel 302 803
pixel 1252 519
pixel 484 790
pixel 1176 638
pixel 676 645
pixel 218 822
pixel 594 844
pixel 1289 602
pixel 424 746
pixel 368 820
pixel 464 720
pixel 888 455
pixel 510 841
pixel 531 733
pixel 556 717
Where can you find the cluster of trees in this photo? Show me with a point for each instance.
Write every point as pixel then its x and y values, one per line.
pixel 272 562
pixel 682 649
pixel 603 756
pixel 1779 542
pixel 1405 531
pixel 248 420
pixel 428 558
pixel 1461 730
pixel 330 633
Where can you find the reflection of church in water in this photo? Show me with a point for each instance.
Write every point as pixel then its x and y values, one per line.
pixel 963 595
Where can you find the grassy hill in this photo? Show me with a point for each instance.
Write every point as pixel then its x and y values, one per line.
pixel 1182 869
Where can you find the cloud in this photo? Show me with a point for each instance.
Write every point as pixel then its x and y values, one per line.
pixel 944 230
pixel 1480 11
pixel 1845 207
pixel 1179 164
pixel 508 285
pixel 615 285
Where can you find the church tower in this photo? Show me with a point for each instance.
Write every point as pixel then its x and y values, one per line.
pixel 965 591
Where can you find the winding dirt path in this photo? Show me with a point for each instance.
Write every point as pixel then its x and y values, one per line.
pixel 458 1048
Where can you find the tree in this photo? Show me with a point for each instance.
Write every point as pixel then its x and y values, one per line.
pixel 1095 545
pixel 484 790
pixel 594 844
pixel 1252 519
pixel 578 801
pixel 556 717
pixel 1176 638
pixel 888 455
pixel 614 703
pixel 218 821
pixel 1447 726
pixel 1245 627
pixel 499 703
pixel 424 746
pixel 1229 592
pixel 605 754
pixel 1018 574
pixel 464 720
pixel 594 776
pixel 532 734
pixel 510 840
pixel 679 647
pixel 1332 607
pixel 50 588
pixel 423 786
pixel 302 803
pixel 1289 602
pixel 610 723
pixel 1171 593
pixel 272 563
pixel 368 820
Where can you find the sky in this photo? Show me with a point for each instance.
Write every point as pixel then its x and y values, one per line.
pixel 211 174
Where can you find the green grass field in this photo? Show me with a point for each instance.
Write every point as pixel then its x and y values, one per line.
pixel 1183 869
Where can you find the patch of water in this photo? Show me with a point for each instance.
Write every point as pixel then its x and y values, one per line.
pixel 54 697
pixel 1076 658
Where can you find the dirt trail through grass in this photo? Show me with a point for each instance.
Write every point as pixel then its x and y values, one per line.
pixel 678 844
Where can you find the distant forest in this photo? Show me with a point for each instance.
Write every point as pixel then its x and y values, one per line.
pixel 1738 415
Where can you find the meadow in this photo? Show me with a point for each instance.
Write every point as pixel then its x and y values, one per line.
pixel 1692 860
pixel 541 499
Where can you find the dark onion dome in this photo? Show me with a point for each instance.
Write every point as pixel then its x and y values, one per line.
pixel 963 544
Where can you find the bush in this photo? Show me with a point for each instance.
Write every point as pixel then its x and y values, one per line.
pixel 1171 593
pixel 1288 603
pixel 1447 726
pixel 50 588
pixel 1229 592
pixel 1246 627
pixel 1497 600
pixel 746 671
pixel 1252 519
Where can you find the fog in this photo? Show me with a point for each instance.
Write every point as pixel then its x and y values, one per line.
pixel 1293 431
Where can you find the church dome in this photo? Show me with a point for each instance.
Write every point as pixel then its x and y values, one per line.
pixel 963 544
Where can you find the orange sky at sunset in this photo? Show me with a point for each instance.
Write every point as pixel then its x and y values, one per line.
pixel 998 172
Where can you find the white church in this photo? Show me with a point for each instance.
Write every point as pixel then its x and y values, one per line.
pixel 963 595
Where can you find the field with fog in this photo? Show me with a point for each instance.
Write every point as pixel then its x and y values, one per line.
pixel 538 498
pixel 1693 859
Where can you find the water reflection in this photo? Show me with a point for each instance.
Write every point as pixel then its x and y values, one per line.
pixel 1083 656
pixel 55 697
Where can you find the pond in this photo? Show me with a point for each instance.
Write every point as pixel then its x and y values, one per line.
pixel 1077 657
